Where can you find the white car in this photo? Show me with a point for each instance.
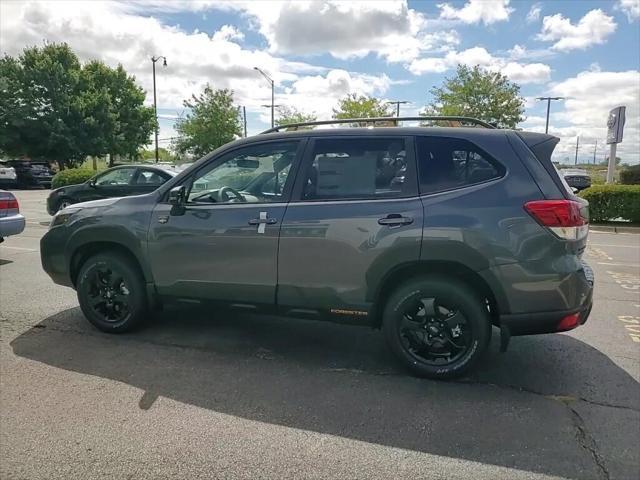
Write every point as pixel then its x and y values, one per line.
pixel 8 177
pixel 11 221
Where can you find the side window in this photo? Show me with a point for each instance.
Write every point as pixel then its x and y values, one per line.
pixel 119 176
pixel 150 177
pixel 447 163
pixel 356 168
pixel 253 174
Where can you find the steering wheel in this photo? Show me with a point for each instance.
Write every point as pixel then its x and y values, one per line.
pixel 224 192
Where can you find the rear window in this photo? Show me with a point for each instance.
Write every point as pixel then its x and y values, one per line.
pixel 449 163
pixel 359 168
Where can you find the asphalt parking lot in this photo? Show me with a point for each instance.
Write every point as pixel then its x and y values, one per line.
pixel 208 394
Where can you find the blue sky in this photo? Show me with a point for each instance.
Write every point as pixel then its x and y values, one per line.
pixel 318 52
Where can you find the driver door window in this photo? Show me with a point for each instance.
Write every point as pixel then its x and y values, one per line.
pixel 255 174
pixel 117 177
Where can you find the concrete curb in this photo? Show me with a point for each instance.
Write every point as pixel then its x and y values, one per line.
pixel 614 229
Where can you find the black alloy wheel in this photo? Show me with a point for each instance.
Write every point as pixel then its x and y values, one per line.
pixel 111 292
pixel 439 328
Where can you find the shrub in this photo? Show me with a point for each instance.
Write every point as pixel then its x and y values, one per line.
pixel 608 202
pixel 630 175
pixel 71 176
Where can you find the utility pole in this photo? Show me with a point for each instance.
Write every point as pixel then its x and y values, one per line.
pixel 594 151
pixel 548 99
pixel 155 104
pixel 577 144
pixel 397 103
pixel 271 82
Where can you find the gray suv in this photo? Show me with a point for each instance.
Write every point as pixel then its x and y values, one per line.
pixel 433 235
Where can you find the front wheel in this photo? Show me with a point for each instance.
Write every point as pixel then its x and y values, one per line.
pixel 111 292
pixel 438 328
pixel 63 203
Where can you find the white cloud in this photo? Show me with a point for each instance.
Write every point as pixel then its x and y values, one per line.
pixel 534 13
pixel 109 32
pixel 115 33
pixel 228 33
pixel 389 29
pixel 320 93
pixel 476 11
pixel 519 52
pixel 518 72
pixel 590 96
pixel 630 7
pixel 592 29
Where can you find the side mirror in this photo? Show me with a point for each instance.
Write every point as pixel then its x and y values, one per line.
pixel 177 196
pixel 92 182
pixel 574 190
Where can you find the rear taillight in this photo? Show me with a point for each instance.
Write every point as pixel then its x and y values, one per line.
pixel 569 322
pixel 563 217
pixel 9 204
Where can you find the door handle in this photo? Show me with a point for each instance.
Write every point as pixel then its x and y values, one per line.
pixel 395 220
pixel 258 221
pixel 262 221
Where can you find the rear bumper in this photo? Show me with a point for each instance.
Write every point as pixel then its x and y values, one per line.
pixel 12 225
pixel 548 321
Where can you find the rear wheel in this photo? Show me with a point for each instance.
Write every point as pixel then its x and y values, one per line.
pixel 438 328
pixel 111 292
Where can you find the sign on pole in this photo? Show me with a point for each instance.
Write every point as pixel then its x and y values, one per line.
pixel 615 127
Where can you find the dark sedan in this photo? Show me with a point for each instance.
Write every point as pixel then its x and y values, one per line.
pixel 576 178
pixel 121 181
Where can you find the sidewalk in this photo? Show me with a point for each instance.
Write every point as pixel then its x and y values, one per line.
pixel 614 228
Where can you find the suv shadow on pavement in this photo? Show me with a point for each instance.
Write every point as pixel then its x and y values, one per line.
pixel 530 409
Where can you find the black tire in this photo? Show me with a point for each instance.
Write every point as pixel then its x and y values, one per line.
pixel 63 202
pixel 427 317
pixel 111 292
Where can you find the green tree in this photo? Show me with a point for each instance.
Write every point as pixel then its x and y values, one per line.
pixel 478 93
pixel 361 106
pixel 40 112
pixel 213 121
pixel 115 115
pixel 54 109
pixel 289 115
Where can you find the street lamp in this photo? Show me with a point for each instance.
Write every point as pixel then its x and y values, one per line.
pixel 155 105
pixel 548 99
pixel 270 80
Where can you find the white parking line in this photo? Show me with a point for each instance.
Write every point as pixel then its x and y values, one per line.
pixel 19 248
pixel 634 265
pixel 612 245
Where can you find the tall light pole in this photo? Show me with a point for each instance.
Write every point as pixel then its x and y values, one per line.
pixel 548 99
pixel 397 103
pixel 270 80
pixel 155 104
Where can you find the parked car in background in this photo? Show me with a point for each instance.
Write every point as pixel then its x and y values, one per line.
pixel 432 235
pixel 11 221
pixel 120 181
pixel 576 178
pixel 8 176
pixel 32 174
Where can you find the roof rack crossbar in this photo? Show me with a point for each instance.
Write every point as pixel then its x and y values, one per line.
pixel 339 121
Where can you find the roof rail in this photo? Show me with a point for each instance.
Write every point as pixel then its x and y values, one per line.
pixel 295 126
